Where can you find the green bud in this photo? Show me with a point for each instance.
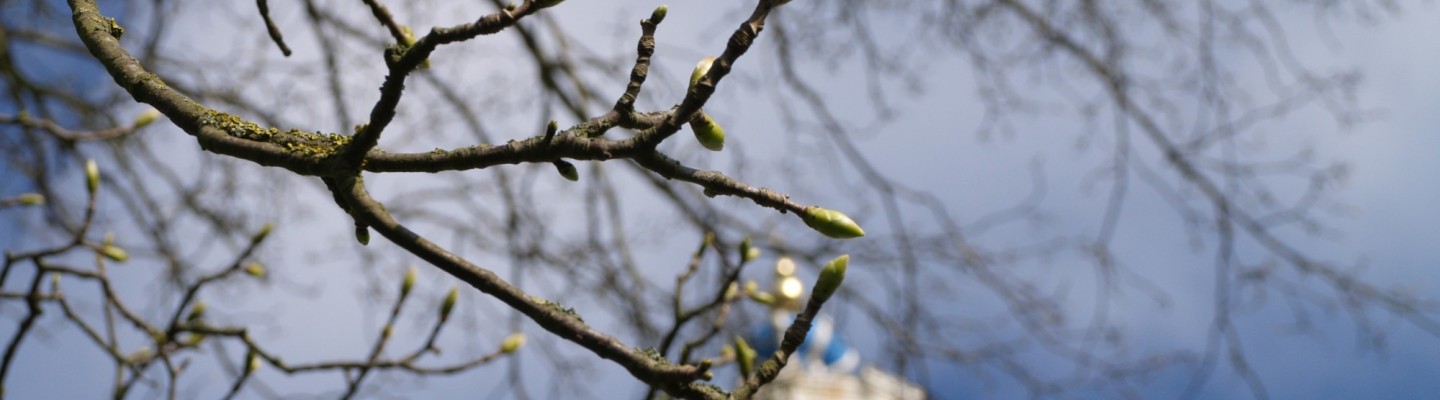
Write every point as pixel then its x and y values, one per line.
pixel 92 176
pixel 732 290
pixel 32 199
pixel 389 330
pixel 550 129
pixel 751 287
pixel 449 304
pixel 659 14
pixel 140 355
pixel 706 242
pixel 745 357
pixel 567 170
pixel 830 278
pixel 512 343
pixel 510 6
pixel 542 4
pixel 146 117
pixel 252 361
pixel 701 68
pixel 197 311
pixel 262 233
pixel 409 35
pixel 409 281
pixel 748 253
pixel 708 132
pixel 194 339
pixel 114 253
pixel 763 298
pixel 362 235
pixel 255 269
pixel 727 351
pixel 831 223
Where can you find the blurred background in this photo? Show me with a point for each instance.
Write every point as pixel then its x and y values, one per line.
pixel 1088 199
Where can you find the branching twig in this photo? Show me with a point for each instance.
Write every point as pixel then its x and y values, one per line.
pixel 270 26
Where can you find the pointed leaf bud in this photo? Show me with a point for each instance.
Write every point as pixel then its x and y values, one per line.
pixel 197 311
pixel 831 223
pixel 763 298
pixel 140 355
pixel 362 235
pixel 408 282
pixel 830 278
pixel 449 304
pixel 32 199
pixel 748 252
pixel 146 117
pixel 744 356
pixel 542 4
pixel 567 170
pixel 512 343
pixel 252 361
pixel 92 176
pixel 194 339
pixel 409 35
pixel 659 14
pixel 701 69
pixel 255 269
pixel 707 131
pixel 262 233
pixel 114 253
pixel 705 242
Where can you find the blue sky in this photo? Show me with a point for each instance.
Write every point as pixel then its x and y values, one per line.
pixel 1389 225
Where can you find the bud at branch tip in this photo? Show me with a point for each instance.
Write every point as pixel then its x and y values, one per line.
pixel 92 176
pixel 831 223
pixel 409 281
pixel 512 343
pixel 831 276
pixel 449 304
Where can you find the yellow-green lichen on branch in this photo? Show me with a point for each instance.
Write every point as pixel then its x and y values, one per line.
pixel 653 355
pixel 115 29
pixel 310 144
pixel 557 307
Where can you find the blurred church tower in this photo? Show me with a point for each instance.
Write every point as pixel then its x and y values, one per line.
pixel 824 367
